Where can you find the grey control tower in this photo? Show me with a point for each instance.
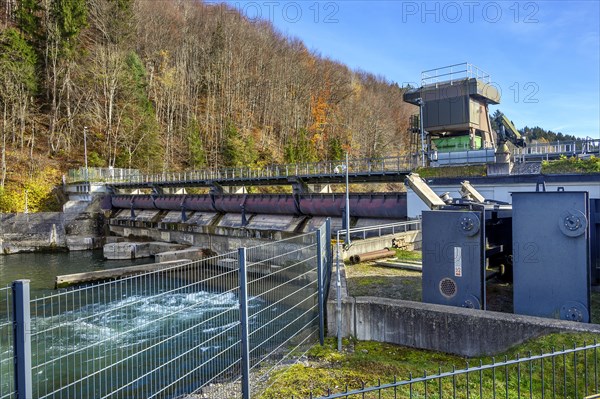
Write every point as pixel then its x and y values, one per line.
pixel 455 114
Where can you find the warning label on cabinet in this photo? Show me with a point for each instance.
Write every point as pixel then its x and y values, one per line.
pixel 457 261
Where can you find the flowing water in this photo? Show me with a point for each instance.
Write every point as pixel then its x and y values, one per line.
pixel 133 337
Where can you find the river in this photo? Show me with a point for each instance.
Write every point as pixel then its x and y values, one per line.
pixel 133 338
pixel 41 268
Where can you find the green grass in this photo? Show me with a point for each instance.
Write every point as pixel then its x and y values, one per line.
pixel 370 363
pixel 452 171
pixel 403 254
pixel 571 165
pixel 368 279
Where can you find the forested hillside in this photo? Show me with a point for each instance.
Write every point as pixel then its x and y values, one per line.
pixel 176 84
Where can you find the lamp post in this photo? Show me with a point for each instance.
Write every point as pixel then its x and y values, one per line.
pixel 421 104
pixel 347 241
pixel 85 128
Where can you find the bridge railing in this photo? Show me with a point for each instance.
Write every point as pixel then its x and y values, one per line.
pixel 547 150
pixel 363 165
pixel 402 164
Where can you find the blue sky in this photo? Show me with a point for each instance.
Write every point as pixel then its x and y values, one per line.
pixel 543 55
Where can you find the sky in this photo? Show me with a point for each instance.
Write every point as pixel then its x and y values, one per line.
pixel 543 56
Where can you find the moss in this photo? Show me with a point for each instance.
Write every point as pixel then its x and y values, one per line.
pixel 366 363
pixel 452 171
pixel 571 165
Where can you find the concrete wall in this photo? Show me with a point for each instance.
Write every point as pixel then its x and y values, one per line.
pixel 27 232
pixel 465 332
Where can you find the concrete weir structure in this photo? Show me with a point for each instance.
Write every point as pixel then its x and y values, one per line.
pixel 223 222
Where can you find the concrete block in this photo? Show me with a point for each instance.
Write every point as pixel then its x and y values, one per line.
pixel 127 250
pixel 189 253
pixel 77 243
pixel 113 239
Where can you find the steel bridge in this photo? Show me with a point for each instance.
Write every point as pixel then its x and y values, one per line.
pixel 359 171
pixel 374 170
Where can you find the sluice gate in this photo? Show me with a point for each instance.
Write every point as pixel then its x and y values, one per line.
pixel 376 205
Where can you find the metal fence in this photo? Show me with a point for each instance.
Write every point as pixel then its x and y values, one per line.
pixel 100 174
pixel 7 387
pixel 202 326
pixel 547 151
pixel 567 373
pixel 380 230
pixel 366 165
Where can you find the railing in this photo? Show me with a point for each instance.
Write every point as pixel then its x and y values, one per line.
pixel 363 166
pixel 100 174
pixel 452 73
pixel 380 230
pixel 203 326
pixel 567 373
pixel 544 151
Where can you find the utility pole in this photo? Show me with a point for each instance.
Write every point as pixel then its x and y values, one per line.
pixel 422 131
pixel 347 205
pixel 85 128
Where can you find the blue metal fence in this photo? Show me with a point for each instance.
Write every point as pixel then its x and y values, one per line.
pixel 200 327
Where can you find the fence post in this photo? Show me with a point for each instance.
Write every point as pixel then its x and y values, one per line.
pixel 22 338
pixel 244 324
pixel 320 285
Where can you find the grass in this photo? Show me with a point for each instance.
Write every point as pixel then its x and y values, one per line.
pixel 452 171
pixel 366 279
pixel 371 363
pixel 571 165
pixel 366 363
pixel 403 254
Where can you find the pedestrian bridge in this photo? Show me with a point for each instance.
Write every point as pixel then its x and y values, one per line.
pixel 371 170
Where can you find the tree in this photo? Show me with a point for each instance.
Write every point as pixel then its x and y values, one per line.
pixel 197 153
pixel 17 83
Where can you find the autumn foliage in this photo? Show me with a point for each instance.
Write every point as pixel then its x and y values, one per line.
pixel 167 85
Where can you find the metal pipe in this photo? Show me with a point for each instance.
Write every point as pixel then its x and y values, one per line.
pixel 373 256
